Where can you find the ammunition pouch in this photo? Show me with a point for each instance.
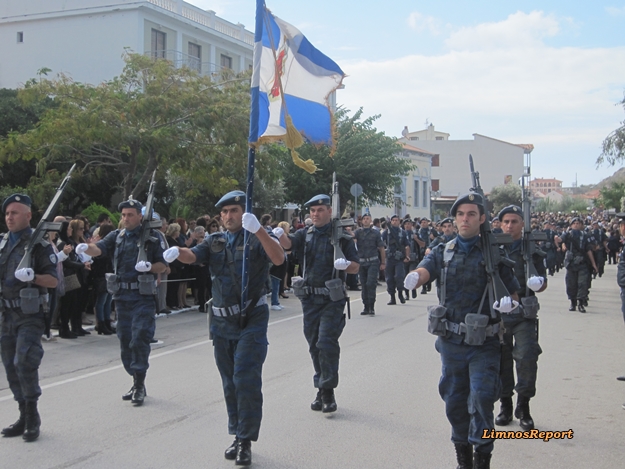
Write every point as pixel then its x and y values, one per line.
pixel 112 283
pixel 577 260
pixel 30 300
pixel 147 284
pixel 413 257
pixel 335 289
pixel 437 320
pixel 398 255
pixel 530 307
pixel 476 328
pixel 299 288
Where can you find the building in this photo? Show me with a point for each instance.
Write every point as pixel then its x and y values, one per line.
pixel 545 185
pixel 497 162
pixel 412 196
pixel 86 39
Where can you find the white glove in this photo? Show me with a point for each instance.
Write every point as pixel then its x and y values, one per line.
pixel 505 305
pixel 411 280
pixel 250 222
pixel 535 283
pixel 171 254
pixel 85 257
pixel 61 256
pixel 25 275
pixel 278 232
pixel 143 266
pixel 341 264
pixel 81 248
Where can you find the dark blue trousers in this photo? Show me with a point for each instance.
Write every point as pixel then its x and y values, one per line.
pixel 135 330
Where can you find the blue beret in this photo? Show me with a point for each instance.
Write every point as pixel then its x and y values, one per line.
pixel 232 198
pixel 470 198
pixel 510 209
pixel 19 198
pixel 447 220
pixel 320 199
pixel 130 203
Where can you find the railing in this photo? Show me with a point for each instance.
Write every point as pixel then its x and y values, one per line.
pixel 206 18
pixel 179 59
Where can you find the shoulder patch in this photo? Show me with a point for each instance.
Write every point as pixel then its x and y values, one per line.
pixel 54 259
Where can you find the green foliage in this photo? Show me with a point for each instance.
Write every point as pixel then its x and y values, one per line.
pixel 504 195
pixel 568 204
pixel 610 196
pixel 614 145
pixel 93 211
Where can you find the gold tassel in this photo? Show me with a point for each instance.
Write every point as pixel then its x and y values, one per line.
pixel 293 137
pixel 308 165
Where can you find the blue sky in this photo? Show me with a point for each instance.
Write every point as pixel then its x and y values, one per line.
pixel 548 73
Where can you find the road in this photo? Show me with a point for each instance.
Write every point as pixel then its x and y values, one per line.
pixel 389 412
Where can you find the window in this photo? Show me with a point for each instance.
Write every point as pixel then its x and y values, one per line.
pixel 414 138
pixel 435 185
pixel 226 62
pixel 439 138
pixel 159 44
pixel 416 192
pixel 20 36
pixel 436 160
pixel 425 193
pixel 195 57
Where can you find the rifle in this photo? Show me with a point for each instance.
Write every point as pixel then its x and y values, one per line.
pixel 45 224
pixel 338 230
pixel 148 223
pixel 490 248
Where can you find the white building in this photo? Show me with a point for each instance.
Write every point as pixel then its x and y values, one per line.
pixel 87 38
pixel 497 162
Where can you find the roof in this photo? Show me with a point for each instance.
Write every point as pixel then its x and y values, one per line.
pixel 405 146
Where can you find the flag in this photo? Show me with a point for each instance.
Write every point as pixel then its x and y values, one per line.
pixel 291 83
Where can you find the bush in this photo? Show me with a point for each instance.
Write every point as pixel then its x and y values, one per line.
pixel 93 211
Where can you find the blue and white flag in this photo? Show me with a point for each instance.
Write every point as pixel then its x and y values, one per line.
pixel 291 83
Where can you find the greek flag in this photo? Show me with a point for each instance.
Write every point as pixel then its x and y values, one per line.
pixel 291 83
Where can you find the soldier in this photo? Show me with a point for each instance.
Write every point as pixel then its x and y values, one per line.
pixel 425 234
pixel 133 286
pixel 549 247
pixel 521 337
pixel 397 251
pixel 470 383
pixel 323 299
pixel 495 224
pixel 239 340
pixel 620 275
pixel 578 252
pixel 372 259
pixel 414 245
pixel 602 250
pixel 447 226
pixel 23 322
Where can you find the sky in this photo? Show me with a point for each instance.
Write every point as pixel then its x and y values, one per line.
pixel 549 73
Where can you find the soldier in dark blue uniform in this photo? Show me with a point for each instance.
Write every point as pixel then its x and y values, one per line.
pixel 620 276
pixel 521 338
pixel 239 341
pixel 23 321
pixel 397 251
pixel 372 259
pixel 470 382
pixel 448 233
pixel 425 235
pixel 414 245
pixel 578 253
pixel 133 286
pixel 322 295
pixel 549 247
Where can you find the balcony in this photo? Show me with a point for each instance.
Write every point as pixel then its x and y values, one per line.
pixel 179 59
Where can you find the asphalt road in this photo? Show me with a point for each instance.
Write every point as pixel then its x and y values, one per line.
pixel 389 412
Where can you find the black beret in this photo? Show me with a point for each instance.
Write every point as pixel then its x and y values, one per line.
pixel 510 209
pixel 447 220
pixel 575 219
pixel 19 198
pixel 130 203
pixel 470 198
pixel 320 199
pixel 232 198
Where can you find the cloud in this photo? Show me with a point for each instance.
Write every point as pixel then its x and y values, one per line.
pixel 420 22
pixel 518 30
pixel 615 11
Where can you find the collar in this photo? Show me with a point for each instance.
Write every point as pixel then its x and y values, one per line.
pixel 466 245
pixel 15 237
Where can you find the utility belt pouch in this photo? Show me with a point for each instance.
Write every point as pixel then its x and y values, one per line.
pixel 577 260
pixel 413 257
pixel 299 289
pixel 335 287
pixel 437 320
pixel 398 255
pixel 147 285
pixel 530 307
pixel 112 285
pixel 476 328
pixel 29 300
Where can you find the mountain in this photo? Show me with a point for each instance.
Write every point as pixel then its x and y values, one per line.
pixel 618 176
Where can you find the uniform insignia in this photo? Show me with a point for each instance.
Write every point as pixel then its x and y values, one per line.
pixel 131 203
pixel 236 199
pixel 515 209
pixel 163 245
pixel 53 258
pixel 471 197
pixel 17 197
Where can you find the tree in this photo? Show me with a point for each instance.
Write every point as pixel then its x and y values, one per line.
pixel 504 195
pixel 610 196
pixel 614 145
pixel 363 155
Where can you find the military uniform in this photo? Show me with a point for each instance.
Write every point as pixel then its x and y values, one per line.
pixel 424 234
pixel 575 261
pixel 368 241
pixel 135 311
pixel 21 331
pixel 549 247
pixel 396 244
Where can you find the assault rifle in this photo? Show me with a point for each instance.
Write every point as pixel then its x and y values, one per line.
pixel 45 224
pixel 490 248
pixel 530 238
pixel 148 222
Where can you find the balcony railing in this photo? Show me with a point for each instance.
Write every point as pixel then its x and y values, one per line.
pixel 179 59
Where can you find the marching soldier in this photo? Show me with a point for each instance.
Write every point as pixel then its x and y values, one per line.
pixel 372 259
pixel 397 251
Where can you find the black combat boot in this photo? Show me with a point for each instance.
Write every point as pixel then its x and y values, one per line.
pixel 414 292
pixel 573 306
pixel 102 329
pixel 372 309
pixel 365 312
pixel 406 294
pixel 18 427
pixel 505 412
pixel 522 412
pixel 33 421
pixel 424 291
pixel 464 455
pixel 128 395
pixel 581 308
pixel 244 453
pixel 329 403
pixel 393 301
pixel 317 404
pixel 400 295
pixel 231 451
pixel 139 393
pixel 481 460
